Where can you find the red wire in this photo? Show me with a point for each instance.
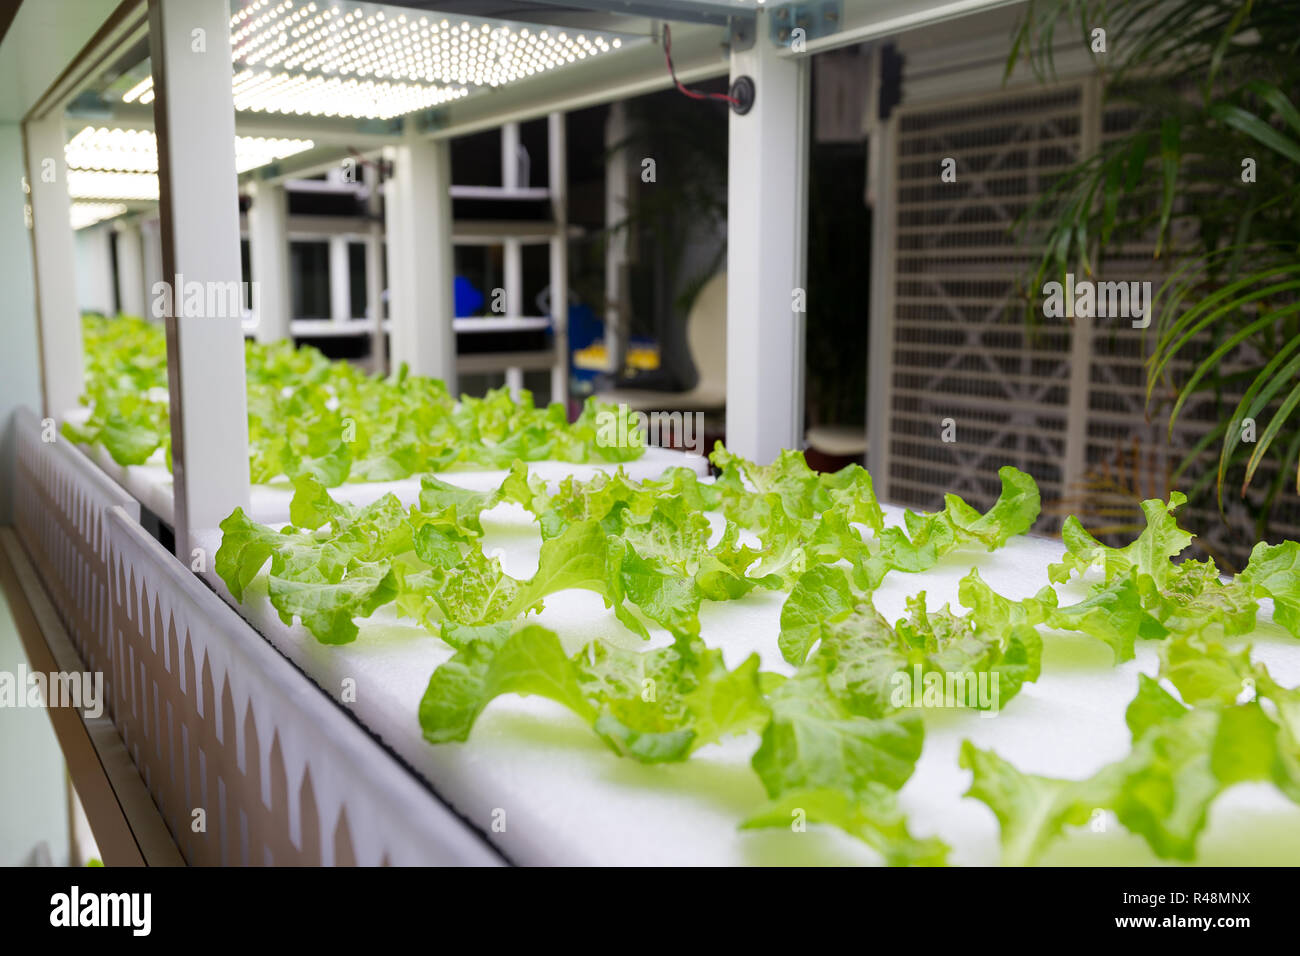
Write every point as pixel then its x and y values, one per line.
pixel 693 94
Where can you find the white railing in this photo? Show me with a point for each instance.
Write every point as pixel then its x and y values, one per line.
pixel 249 762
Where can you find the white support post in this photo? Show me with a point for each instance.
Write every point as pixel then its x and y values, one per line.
pixel 510 156
pixel 422 297
pixel 558 175
pixel 396 246
pixel 340 280
pixel 94 246
pixel 513 265
pixel 151 241
pixel 268 253
pixel 767 200
pixel 512 252
pixel 616 211
pixel 194 115
pixel 880 331
pixel 130 269
pixel 375 273
pixel 54 252
pixel 512 261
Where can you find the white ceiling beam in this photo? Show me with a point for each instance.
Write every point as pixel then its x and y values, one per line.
pixel 864 20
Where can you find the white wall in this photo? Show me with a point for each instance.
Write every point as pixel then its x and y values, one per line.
pixel 33 802
pixel 20 363
pixel 33 794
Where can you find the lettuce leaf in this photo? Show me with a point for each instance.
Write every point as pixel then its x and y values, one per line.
pixel 653 706
pixel 309 416
pixel 1184 754
pixel 1274 572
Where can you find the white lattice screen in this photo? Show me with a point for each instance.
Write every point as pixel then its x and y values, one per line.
pixel 1065 402
pixel 961 348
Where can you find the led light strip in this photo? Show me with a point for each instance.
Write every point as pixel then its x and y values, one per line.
pixel 85 214
pixel 123 163
pixel 98 184
pixel 418 50
pixel 142 91
pixel 362 60
pixel 115 150
pixel 331 96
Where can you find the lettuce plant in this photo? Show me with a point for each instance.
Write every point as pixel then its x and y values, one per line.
pixel 839 738
pixel 309 416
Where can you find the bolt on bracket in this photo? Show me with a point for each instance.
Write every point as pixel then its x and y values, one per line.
pixel 817 18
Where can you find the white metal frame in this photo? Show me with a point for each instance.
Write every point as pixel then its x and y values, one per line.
pixel 54 255
pixel 639 68
pixel 268 253
pixel 558 165
pixel 131 292
pixel 194 115
pixel 512 251
pixel 767 209
pixel 422 287
pixel 616 211
pixel 375 274
pixel 864 20
pixel 95 255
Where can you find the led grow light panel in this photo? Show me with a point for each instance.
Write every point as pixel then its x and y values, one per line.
pixel 85 214
pixel 98 184
pixel 303 95
pixel 123 163
pixel 370 61
pixel 136 150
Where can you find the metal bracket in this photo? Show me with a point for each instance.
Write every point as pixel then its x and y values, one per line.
pixel 816 18
pixel 388 127
pixel 427 121
pixel 90 105
pixel 741 32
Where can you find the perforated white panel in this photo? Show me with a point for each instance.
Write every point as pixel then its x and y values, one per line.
pixel 1064 402
pixel 961 348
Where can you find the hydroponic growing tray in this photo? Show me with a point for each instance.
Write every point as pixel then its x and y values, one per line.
pixel 151 483
pixel 546 790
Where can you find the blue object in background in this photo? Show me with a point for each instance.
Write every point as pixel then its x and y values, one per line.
pixel 469 300
pixel 584 327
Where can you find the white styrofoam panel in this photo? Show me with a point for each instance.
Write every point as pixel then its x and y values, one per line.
pixel 568 799
pixel 151 483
